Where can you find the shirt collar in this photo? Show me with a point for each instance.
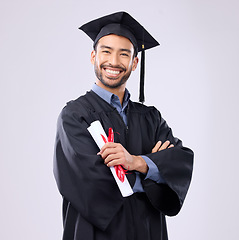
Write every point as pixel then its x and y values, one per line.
pixel 109 97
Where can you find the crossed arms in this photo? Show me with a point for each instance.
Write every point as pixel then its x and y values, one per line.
pixel 115 154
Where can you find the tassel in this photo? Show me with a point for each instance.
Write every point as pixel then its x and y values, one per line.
pixel 142 71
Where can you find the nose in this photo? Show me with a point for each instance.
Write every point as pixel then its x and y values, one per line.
pixel 114 59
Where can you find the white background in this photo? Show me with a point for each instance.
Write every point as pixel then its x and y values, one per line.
pixel 192 78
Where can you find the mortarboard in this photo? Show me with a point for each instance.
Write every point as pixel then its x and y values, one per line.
pixel 122 24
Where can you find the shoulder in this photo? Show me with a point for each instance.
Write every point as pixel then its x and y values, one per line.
pixel 140 108
pixel 75 108
pixel 85 108
pixel 147 114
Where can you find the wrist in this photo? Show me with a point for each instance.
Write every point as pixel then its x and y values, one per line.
pixel 141 165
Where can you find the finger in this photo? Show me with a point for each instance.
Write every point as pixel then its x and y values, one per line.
pixel 106 146
pixel 111 158
pixel 165 145
pixel 171 145
pixel 156 147
pixel 109 151
pixel 114 159
pixel 113 163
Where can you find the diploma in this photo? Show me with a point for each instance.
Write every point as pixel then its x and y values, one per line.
pixel 97 132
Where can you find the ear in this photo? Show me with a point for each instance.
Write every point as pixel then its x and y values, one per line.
pixel 92 57
pixel 135 63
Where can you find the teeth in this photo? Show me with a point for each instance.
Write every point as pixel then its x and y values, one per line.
pixel 112 72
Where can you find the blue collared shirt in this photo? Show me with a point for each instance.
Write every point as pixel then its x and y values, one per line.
pixel 153 172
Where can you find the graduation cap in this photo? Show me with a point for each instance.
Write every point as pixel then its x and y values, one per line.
pixel 122 24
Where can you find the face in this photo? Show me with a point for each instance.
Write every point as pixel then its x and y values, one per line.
pixel 113 61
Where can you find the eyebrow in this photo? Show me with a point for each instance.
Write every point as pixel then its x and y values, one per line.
pixel 125 50
pixel 121 49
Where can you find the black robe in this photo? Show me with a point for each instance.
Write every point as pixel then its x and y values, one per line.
pixel 93 207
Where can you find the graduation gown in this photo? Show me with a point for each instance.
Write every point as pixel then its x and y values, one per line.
pixel 93 207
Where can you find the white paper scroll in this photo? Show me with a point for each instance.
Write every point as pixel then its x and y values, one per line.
pixel 96 130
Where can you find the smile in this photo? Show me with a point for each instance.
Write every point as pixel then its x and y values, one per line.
pixel 112 72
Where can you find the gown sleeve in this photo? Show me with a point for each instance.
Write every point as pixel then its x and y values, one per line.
pixel 175 166
pixel 82 177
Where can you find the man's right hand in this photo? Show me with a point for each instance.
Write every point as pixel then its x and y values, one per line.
pixel 161 146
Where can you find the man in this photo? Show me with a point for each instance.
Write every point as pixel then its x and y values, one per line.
pixel 158 167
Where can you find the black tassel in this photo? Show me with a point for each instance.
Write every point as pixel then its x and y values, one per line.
pixel 142 70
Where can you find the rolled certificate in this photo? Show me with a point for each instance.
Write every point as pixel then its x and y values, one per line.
pixel 97 132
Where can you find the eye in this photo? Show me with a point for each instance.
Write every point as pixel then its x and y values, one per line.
pixel 106 51
pixel 125 54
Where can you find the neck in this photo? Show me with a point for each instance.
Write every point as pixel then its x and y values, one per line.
pixel 119 91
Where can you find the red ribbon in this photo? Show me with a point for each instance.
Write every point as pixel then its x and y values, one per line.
pixel 111 135
pixel 103 137
pixel 120 172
